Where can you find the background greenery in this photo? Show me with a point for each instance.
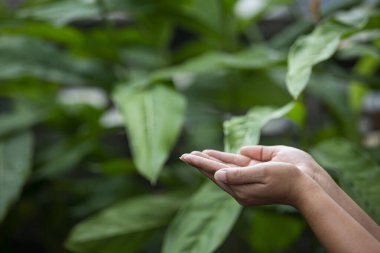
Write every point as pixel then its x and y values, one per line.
pixel 178 76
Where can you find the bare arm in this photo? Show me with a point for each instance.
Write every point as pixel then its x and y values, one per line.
pixel 284 183
pixel 343 200
pixel 337 230
pixel 306 164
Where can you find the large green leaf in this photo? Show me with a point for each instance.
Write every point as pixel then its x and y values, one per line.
pixel 358 173
pixel 318 46
pixel 308 51
pixel 118 228
pixel 15 163
pixel 245 130
pixel 153 117
pixel 203 222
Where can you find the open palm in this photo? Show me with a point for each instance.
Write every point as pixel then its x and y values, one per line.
pixel 251 155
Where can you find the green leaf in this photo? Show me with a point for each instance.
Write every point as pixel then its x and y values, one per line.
pixel 245 130
pixel 358 173
pixel 26 56
pixel 67 35
pixel 62 12
pixel 297 114
pixel 15 163
pixel 211 18
pixel 203 222
pixel 12 122
pixel 271 226
pixel 366 66
pixel 153 117
pixel 256 57
pixel 118 227
pixel 308 51
pixel 318 46
pixel 331 91
pixel 63 157
pixel 198 65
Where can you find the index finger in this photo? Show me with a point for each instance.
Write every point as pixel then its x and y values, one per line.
pixel 230 158
pixel 202 163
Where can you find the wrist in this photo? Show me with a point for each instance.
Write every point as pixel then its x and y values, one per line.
pixel 325 181
pixel 307 190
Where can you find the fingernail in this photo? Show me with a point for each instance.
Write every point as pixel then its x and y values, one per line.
pixel 183 157
pixel 221 176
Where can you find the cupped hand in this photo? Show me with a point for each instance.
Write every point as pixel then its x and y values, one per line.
pixel 256 183
pixel 266 183
pixel 259 154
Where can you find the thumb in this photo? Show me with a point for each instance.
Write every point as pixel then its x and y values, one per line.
pixel 240 175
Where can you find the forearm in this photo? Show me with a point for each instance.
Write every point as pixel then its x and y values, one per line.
pixel 344 201
pixel 337 231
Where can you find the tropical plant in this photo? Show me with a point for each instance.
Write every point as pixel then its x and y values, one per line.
pixel 99 98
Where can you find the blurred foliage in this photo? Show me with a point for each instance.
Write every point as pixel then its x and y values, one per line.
pixel 99 98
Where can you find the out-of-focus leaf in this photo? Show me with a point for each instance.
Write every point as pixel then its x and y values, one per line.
pixel 198 65
pixel 64 157
pixel 153 117
pixel 245 130
pixel 356 17
pixel 308 51
pixel 361 44
pixel 356 93
pixel 65 35
pixel 253 58
pixel 256 57
pixel 26 56
pixel 354 51
pixel 282 230
pixel 117 228
pixel 62 12
pixel 203 222
pixel 358 173
pixel 318 46
pixel 15 159
pixel 291 33
pixel 12 122
pixel 117 167
pixel 297 114
pixel 212 18
pixel 101 193
pixel 366 66
pixel 331 91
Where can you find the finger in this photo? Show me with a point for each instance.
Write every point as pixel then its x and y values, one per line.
pixel 230 158
pixel 201 154
pixel 202 163
pixel 260 153
pixel 256 174
pixel 222 185
pixel 211 175
pixel 241 175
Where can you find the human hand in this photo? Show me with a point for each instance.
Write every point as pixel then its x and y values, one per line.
pixel 258 154
pixel 257 184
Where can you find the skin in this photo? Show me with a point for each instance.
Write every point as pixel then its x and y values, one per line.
pixel 262 175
